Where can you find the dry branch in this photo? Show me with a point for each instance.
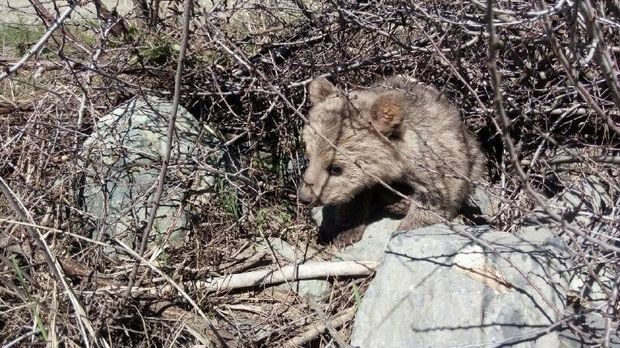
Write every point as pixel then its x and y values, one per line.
pixel 169 139
pixel 86 327
pixel 320 327
pixel 36 47
pixel 310 270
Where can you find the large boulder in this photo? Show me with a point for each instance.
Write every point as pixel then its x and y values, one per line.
pixel 122 160
pixel 444 286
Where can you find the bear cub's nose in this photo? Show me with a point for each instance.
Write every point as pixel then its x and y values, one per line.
pixel 305 194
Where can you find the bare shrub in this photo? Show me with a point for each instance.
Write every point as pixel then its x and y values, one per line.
pixel 545 108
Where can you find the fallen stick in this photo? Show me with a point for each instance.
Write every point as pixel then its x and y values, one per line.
pixel 310 270
pixel 320 327
pixel 577 159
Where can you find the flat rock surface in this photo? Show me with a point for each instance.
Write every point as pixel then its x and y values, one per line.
pixel 443 286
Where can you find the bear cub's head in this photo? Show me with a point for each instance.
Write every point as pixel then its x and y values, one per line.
pixel 365 126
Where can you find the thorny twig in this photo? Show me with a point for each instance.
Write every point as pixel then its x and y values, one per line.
pixel 36 47
pixel 169 140
pixel 86 327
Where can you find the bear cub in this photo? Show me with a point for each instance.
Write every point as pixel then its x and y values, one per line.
pixel 397 132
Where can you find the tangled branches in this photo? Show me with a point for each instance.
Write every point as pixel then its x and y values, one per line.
pixel 539 87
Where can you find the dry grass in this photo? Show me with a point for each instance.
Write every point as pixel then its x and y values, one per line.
pixel 244 79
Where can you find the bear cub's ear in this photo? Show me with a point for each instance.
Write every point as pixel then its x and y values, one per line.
pixel 320 88
pixel 388 113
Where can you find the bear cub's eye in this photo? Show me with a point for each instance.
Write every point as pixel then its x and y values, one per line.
pixel 334 170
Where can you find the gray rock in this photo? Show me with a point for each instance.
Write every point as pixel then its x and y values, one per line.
pixel 582 203
pixel 583 198
pixel 482 202
pixel 443 286
pixel 122 160
pixel 372 245
pixel 313 288
pixel 317 215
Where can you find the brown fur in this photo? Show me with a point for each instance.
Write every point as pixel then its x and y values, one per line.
pixel 404 133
